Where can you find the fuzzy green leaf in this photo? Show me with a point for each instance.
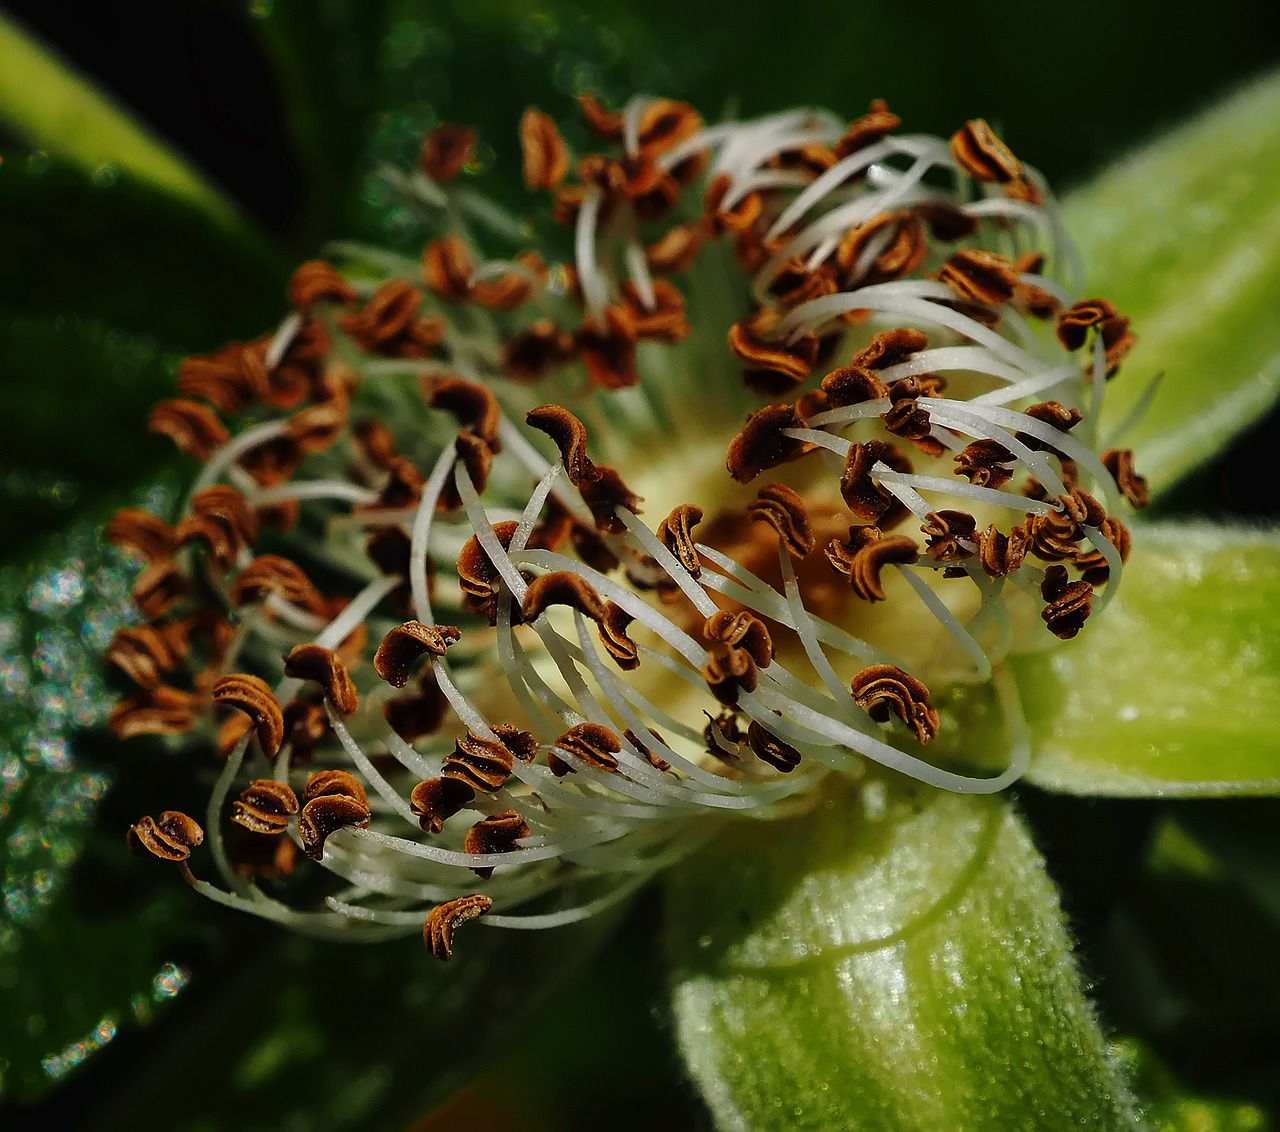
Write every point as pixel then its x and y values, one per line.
pixel 907 970
pixel 1172 690
pixel 1184 237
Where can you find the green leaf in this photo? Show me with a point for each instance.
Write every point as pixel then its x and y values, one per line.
pixel 122 251
pixel 43 100
pixel 1184 237
pixel 896 970
pixel 1171 692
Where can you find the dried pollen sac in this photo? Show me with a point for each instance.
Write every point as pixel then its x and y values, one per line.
pixel 522 568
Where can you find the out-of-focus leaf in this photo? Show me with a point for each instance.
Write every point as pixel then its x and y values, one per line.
pixel 1184 237
pixel 76 399
pixel 896 971
pixel 45 101
pixel 1168 1107
pixel 116 249
pixel 1167 693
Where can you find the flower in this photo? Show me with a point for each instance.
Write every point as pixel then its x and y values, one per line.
pixel 639 526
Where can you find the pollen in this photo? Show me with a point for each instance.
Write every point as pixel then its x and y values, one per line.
pixel 509 574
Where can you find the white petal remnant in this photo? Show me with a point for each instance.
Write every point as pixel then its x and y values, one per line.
pixel 512 692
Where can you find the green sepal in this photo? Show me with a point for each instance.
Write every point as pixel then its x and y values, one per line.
pixel 1171 690
pixel 1184 237
pixel 901 965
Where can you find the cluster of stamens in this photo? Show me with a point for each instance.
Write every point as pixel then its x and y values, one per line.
pixel 420 618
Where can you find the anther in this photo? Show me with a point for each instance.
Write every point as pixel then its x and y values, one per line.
pixel 498 833
pixel 265 806
pixel 1119 462
pixel 865 554
pixel 404 644
pixel 443 920
pixel 171 838
pixel 884 688
pixel 254 697
pixel 1069 603
pixel 446 150
pixel 770 749
pixel 325 667
pixel 592 743
pixel 546 160
pixel 782 508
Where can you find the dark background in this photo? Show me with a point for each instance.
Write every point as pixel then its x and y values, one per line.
pixel 1071 87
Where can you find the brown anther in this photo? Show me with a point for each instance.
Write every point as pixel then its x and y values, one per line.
pixel 1029 297
pixel 613 624
pixel 664 124
pixel 768 748
pixel 750 341
pixel 401 489
pixel 878 122
pixel 446 150
pixel 727 726
pixel 728 676
pixel 1093 565
pixel 890 348
pixel 273 461
pixel 265 806
pixel 253 696
pixel 539 348
pixel 333 783
pixel 435 800
pixel 852 385
pixel 946 221
pixel 1075 322
pixel 594 744
pixel 403 645
pixel 224 505
pixel 256 856
pixel 478 576
pixel 546 160
pixel 738 217
pixel 220 378
pixel 676 534
pixel 741 631
pixel 444 919
pixel 561 587
pixel 570 436
pixel 1024 189
pixel 171 838
pixel 985 463
pixel 325 667
pixel 1069 603
pixel 865 553
pixel 483 764
pixel 316 282
pixel 324 815
pixel 654 759
pixel 1000 555
pixel 271 574
pixel 884 688
pixel 1055 536
pixel 606 123
pixel 906 417
pixel 316 428
pixel 862 495
pixel 132 528
pixel 947 533
pixel 664 320
pixel 498 833
pixel 608 350
pixel 470 403
pixel 605 495
pixel 162 710
pixel 447 268
pixel 388 324
pixel 159 588
pixel 979 276
pixel 888 246
pixel 1052 413
pixel 676 249
pixel 143 653
pixel 193 427
pixel 761 444
pixel 797 283
pixel 418 713
pixel 1119 462
pixel 306 723
pixel 507 290
pixel 982 155
pixel 782 508
pixel 375 442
